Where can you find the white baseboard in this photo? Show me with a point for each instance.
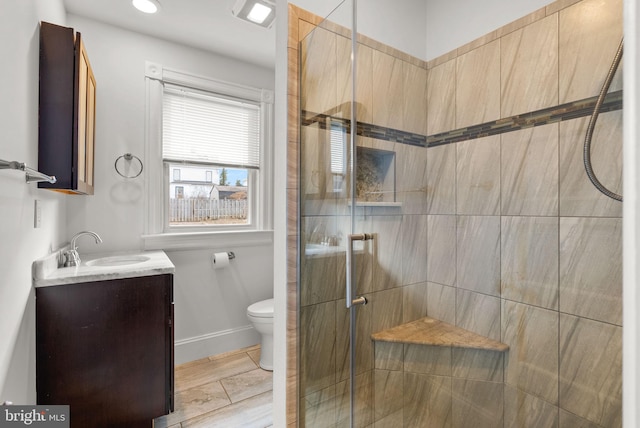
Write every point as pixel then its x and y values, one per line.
pixel 218 342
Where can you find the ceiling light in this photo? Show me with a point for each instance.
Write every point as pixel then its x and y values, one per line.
pixel 261 12
pixel 146 6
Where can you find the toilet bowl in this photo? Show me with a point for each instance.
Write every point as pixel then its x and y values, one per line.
pixel 261 316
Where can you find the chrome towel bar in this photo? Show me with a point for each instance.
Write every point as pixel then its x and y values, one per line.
pixel 31 175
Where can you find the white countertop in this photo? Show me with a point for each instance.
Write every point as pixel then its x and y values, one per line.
pixel 47 273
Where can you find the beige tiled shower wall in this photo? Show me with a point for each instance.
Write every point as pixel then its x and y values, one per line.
pixel 503 235
pixel 537 247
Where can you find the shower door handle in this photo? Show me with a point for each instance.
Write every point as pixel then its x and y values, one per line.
pixel 351 299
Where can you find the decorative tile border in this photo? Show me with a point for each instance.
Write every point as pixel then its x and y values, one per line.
pixel 546 116
pixel 568 111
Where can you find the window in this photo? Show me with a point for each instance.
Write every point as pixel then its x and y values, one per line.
pixel 201 130
pixel 212 143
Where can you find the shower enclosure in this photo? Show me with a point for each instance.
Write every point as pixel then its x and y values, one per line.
pixel 453 189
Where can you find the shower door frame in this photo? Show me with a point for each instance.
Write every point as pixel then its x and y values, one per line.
pixel 353 302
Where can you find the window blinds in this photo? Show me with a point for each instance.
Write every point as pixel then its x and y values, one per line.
pixel 207 128
pixel 338 147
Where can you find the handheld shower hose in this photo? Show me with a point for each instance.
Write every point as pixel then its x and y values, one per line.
pixel 592 124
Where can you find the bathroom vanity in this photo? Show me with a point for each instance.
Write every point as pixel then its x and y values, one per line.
pixel 104 339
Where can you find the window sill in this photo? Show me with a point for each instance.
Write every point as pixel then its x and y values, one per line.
pixel 198 240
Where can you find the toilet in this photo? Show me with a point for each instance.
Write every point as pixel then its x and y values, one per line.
pixel 261 316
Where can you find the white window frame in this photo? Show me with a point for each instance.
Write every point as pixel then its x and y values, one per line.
pixel 157 233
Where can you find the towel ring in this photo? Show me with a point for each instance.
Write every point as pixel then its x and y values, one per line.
pixel 128 157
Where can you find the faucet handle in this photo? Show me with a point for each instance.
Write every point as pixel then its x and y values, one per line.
pixel 71 258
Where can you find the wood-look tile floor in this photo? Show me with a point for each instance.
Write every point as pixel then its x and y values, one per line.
pixel 228 390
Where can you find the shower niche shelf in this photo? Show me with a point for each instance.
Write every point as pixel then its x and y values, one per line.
pixel 376 178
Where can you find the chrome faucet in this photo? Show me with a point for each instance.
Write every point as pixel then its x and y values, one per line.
pixel 71 256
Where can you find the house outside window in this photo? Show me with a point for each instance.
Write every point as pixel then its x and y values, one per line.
pixel 179 192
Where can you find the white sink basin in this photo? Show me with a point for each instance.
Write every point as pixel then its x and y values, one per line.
pixel 118 260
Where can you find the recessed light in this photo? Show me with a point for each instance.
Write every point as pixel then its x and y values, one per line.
pixel 261 12
pixel 146 6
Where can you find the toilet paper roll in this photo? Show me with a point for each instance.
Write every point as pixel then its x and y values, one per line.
pixel 220 260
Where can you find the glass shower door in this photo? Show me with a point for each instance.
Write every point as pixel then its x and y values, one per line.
pixel 335 349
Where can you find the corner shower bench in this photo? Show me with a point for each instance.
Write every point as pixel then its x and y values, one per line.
pixel 427 370
pixel 433 332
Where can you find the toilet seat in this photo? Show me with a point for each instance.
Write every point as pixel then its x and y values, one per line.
pixel 262 309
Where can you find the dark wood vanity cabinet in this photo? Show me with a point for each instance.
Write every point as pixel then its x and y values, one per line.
pixel 67 111
pixel 105 348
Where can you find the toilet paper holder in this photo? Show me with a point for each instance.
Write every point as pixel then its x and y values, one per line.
pixel 221 260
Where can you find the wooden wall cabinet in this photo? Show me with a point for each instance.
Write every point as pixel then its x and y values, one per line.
pixel 105 348
pixel 67 111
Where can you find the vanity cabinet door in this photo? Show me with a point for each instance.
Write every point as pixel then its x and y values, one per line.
pixel 85 119
pixel 105 349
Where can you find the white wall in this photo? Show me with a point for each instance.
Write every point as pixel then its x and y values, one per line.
pixel 320 8
pixel 20 243
pixel 425 28
pixel 280 220
pixel 210 307
pixel 398 23
pixel 453 23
